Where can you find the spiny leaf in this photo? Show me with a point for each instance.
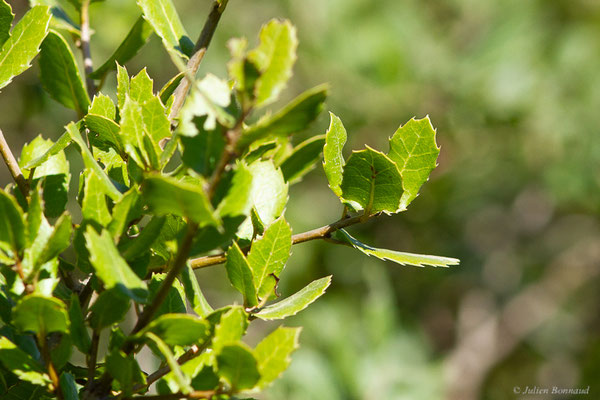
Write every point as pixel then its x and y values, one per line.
pixel 292 118
pixel 165 195
pixel 23 44
pixel 273 353
pixel 275 57
pixel 240 274
pixel 40 314
pixel 237 365
pixel 333 159
pixel 103 105
pixel 111 268
pixel 59 74
pixel 133 42
pixel 303 159
pixel 209 97
pixel 297 302
pixel 268 256
pixel 104 132
pixel 414 150
pixel 398 257
pixel 162 15
pixel 371 181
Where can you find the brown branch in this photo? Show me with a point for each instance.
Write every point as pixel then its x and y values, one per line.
pixel 84 45
pixel 198 394
pixel 93 356
pixel 13 166
pixel 319 233
pixel 202 44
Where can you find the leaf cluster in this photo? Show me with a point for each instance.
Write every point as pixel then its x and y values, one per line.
pixel 163 193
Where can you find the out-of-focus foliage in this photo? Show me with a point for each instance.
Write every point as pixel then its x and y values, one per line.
pixel 513 87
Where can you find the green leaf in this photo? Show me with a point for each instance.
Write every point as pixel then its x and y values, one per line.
pixel 41 315
pixel 238 200
pixel 180 378
pixel 203 151
pixel 303 159
pixel 6 18
pixel 94 206
pixel 109 308
pixel 104 132
pixel 68 387
pixel 59 74
pixel 268 256
pixel 269 194
pixel 167 91
pixel 56 148
pixel 333 159
pixel 231 327
pixel 134 135
pixel 12 226
pixel 274 57
pixel 175 299
pixel 122 86
pixel 139 245
pixel 240 275
pixel 53 172
pixel 21 364
pixel 414 150
pixel 165 195
pixel 162 15
pixel 133 42
pixel 125 369
pixel 48 245
pixel 372 182
pixel 208 98
pixel 103 105
pixel 297 302
pixel 179 329
pixel 273 353
pixel 26 391
pixel 111 268
pixel 90 162
pixel 79 333
pixel 193 293
pixel 125 210
pixel 23 44
pixel 418 260
pixel 292 118
pixel 237 365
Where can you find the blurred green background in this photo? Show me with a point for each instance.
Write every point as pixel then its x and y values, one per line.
pixel 513 88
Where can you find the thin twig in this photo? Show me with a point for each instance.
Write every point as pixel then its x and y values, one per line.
pixel 193 352
pixel 13 166
pixel 319 233
pixel 88 65
pixel 198 394
pixel 93 356
pixel 202 44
